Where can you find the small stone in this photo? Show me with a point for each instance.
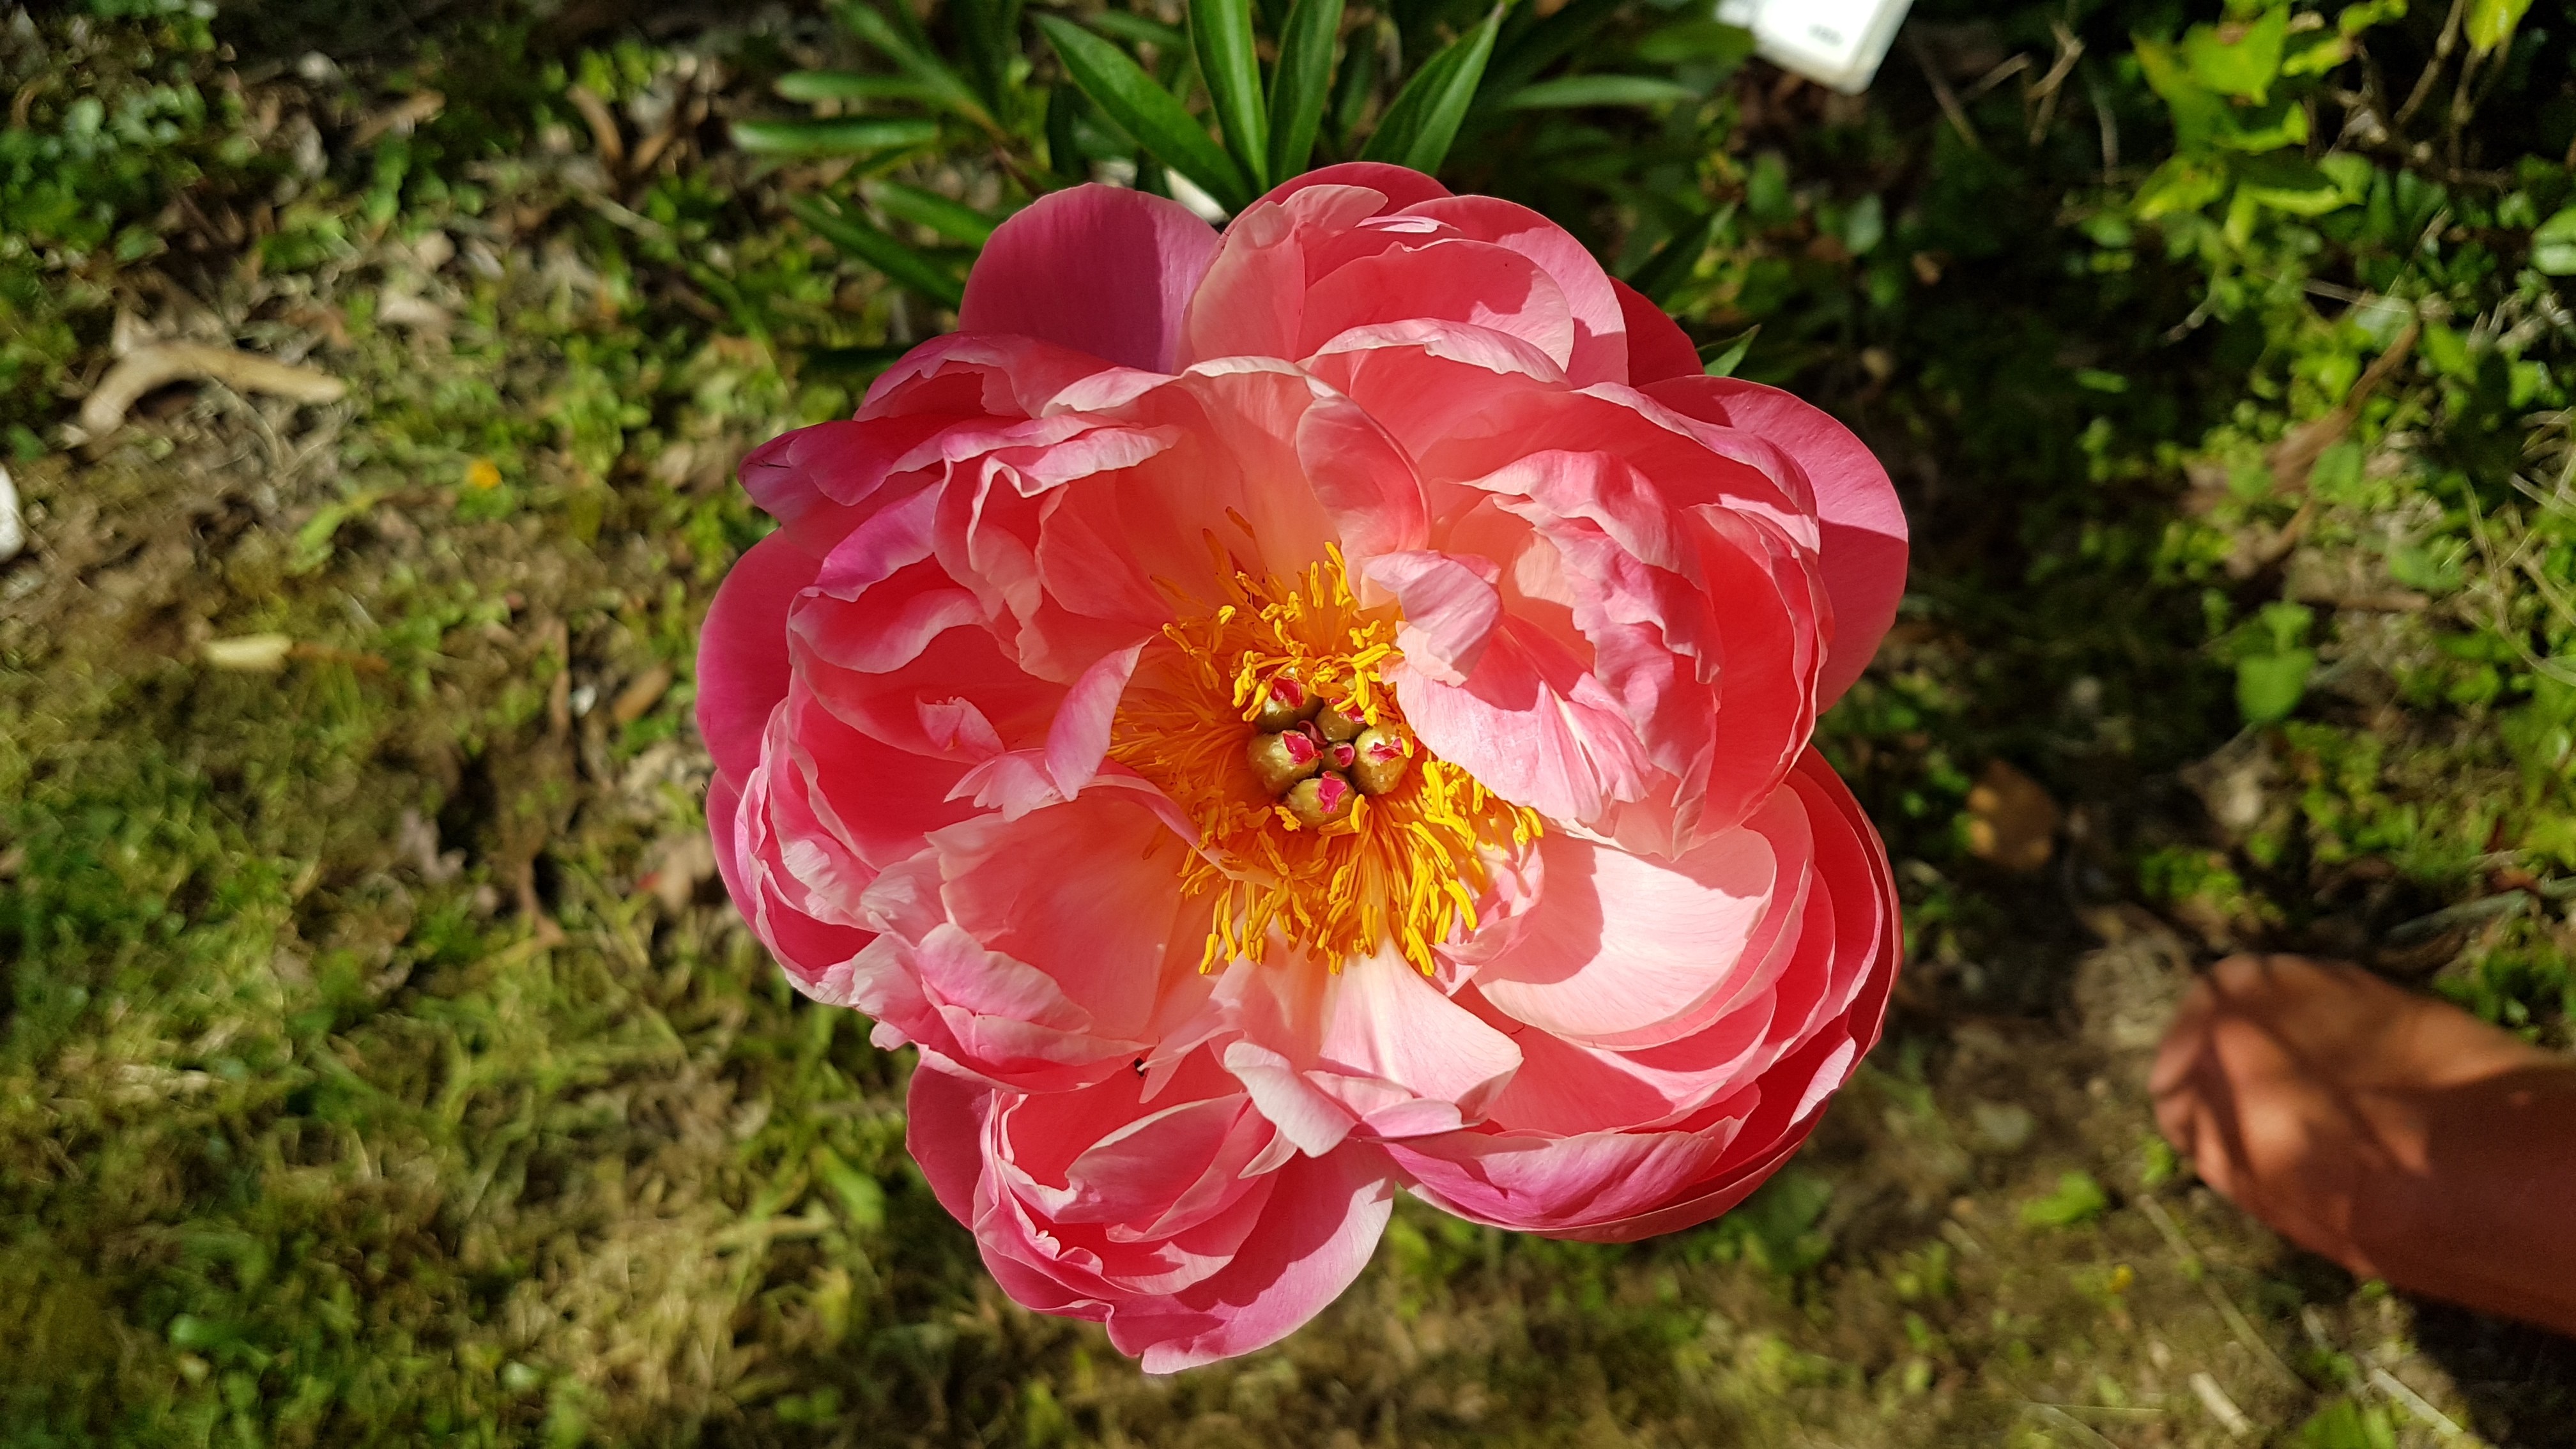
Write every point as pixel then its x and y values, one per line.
pixel 1340 722
pixel 1285 704
pixel 1281 760
pixel 1384 759
pixel 1322 800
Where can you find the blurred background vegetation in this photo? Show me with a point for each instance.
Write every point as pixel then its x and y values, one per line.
pixel 380 1064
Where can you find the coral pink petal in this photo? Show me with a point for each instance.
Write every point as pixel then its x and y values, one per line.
pixel 1402 186
pixel 1099 269
pixel 1658 348
pixel 1865 534
pixel 1600 350
pixel 944 1129
pixel 1317 1231
pixel 743 663
pixel 1468 283
pixel 1620 942
pixel 1533 1183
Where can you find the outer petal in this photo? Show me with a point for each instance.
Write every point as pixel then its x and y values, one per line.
pixel 1864 542
pixel 1658 348
pixel 742 650
pixel 1096 268
pixel 1323 1221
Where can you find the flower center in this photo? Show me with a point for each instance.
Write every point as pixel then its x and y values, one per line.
pixel 1326 824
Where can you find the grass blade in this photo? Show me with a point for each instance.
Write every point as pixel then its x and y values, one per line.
pixel 1151 114
pixel 953 220
pixel 1417 129
pixel 1221 32
pixel 1302 84
pixel 848 135
pixel 843 85
pixel 854 234
pixel 869 24
pixel 1567 92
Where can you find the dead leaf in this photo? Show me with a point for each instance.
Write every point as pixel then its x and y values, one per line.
pixel 400 118
pixel 681 864
pixel 250 653
pixel 642 695
pixel 162 363
pixel 2012 822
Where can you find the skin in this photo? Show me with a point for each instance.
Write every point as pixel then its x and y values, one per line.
pixel 2395 1134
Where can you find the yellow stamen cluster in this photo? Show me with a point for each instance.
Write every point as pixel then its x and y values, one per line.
pixel 1404 867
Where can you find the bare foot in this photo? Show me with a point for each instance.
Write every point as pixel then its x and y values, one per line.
pixel 2391 1132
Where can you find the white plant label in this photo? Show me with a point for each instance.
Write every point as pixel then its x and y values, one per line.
pixel 1836 43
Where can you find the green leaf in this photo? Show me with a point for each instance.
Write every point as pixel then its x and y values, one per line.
pixel 1660 274
pixel 2553 244
pixel 2269 686
pixel 2197 113
pixel 1064 142
pixel 2286 183
pixel 1698 42
pixel 1221 32
pixel 1720 359
pixel 1598 90
pixel 2491 22
pixel 1137 29
pixel 844 85
pixel 859 135
pixel 1518 60
pixel 1417 129
pixel 1151 114
pixel 2242 64
pixel 2078 1199
pixel 1302 83
pixel 869 24
pixel 854 234
pixel 990 34
pixel 958 223
pixel 1354 82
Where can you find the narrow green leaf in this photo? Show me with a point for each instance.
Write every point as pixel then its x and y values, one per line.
pixel 1720 359
pixel 1671 264
pixel 953 220
pixel 1151 114
pixel 1302 83
pixel 1221 30
pixel 1519 61
pixel 1598 90
pixel 854 234
pixel 1353 84
pixel 1137 29
pixel 990 34
pixel 1417 129
pixel 1064 145
pixel 859 134
pixel 870 24
pixel 843 85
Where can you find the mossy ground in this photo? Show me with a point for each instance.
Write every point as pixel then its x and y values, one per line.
pixel 380 1063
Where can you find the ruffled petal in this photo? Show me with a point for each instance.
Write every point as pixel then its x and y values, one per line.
pixel 743 665
pixel 1100 269
pixel 1658 348
pixel 1864 540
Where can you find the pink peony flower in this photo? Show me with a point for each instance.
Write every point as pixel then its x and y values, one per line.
pixel 1284 717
